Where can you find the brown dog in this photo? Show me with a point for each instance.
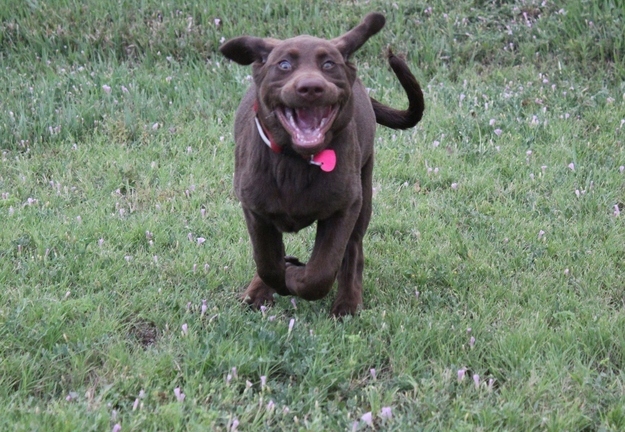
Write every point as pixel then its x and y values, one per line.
pixel 304 152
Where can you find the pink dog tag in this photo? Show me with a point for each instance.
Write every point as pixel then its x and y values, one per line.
pixel 325 159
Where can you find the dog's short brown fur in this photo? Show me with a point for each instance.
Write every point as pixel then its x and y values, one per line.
pixel 306 98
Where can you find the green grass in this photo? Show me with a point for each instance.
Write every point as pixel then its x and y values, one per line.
pixel 477 209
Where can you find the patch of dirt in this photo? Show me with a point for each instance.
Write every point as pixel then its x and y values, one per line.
pixel 143 331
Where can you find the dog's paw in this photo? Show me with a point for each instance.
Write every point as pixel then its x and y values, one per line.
pixel 291 260
pixel 258 294
pixel 345 306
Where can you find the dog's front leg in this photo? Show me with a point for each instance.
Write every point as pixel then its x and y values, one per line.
pixel 314 280
pixel 268 251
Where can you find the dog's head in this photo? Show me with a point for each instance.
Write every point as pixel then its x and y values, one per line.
pixel 303 83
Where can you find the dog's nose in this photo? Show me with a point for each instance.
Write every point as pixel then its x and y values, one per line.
pixel 310 88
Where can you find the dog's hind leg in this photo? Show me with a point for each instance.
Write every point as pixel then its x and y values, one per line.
pixel 349 297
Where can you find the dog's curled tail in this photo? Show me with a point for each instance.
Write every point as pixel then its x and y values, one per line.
pixel 398 119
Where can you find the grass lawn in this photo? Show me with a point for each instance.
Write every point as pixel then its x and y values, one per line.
pixel 494 275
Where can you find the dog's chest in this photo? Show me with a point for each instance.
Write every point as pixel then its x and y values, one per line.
pixel 293 199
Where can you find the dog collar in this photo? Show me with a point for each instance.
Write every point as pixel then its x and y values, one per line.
pixel 263 135
pixel 325 159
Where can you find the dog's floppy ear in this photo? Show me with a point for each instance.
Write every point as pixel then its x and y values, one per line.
pixel 356 37
pixel 246 50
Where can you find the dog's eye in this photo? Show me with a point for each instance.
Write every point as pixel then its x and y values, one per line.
pixel 284 65
pixel 328 65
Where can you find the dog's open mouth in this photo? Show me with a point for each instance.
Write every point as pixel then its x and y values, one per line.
pixel 307 126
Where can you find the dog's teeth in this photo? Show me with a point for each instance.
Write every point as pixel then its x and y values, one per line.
pixel 292 122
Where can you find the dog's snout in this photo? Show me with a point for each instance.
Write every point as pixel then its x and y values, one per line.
pixel 310 88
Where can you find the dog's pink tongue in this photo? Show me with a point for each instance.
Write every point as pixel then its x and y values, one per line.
pixel 309 119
